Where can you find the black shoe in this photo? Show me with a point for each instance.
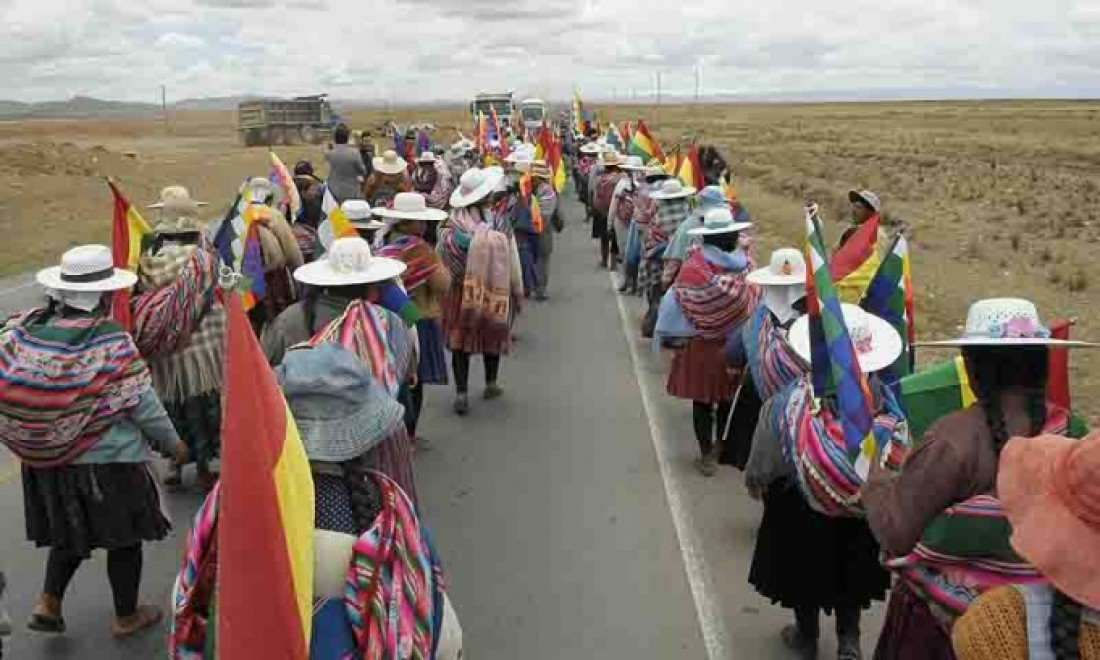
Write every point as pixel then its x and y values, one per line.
pixel 847 648
pixel 794 640
pixel 461 405
pixel 493 391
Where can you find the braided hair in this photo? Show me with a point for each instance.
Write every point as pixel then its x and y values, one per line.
pixel 366 497
pixel 1065 627
pixel 726 242
pixel 995 371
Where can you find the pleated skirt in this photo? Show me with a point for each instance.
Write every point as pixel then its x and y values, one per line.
pixel 699 372
pixel 432 368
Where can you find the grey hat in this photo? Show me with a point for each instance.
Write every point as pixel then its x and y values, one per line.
pixel 867 197
pixel 341 411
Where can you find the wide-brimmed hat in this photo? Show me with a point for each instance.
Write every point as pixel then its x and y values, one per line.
pixel 462 146
pixel 1050 489
pixel 591 148
pixel 349 261
pixel 340 410
pixel 671 188
pixel 712 197
pixel 258 190
pixel 611 158
pixel 520 160
pixel 786 268
pixel 867 197
pixel 426 157
pixel 541 170
pixel 719 221
pixel 475 185
pixel 359 214
pixel 172 194
pixel 179 216
pixel 86 268
pixel 632 163
pixel 411 206
pixel 390 163
pixel 1005 322
pixel 876 342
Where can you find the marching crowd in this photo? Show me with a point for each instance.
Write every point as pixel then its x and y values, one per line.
pixel 982 530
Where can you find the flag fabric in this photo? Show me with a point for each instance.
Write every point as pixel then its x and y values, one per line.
pixel 835 366
pixel 643 145
pixel 578 112
pixel 614 138
pixel 266 511
pixel 627 133
pixel 543 144
pixel 129 235
pixel 1058 368
pixel 238 243
pixel 423 142
pixel 497 134
pixel 854 263
pixel 399 141
pixel 691 172
pixel 890 296
pixel 557 164
pixel 334 223
pixel 529 212
pixel 672 163
pixel 481 133
pixel 291 204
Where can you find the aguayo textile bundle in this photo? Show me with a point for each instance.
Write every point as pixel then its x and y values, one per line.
pixel 813 440
pixel 486 286
pixel 417 254
pixel 381 345
pixel 772 360
pixel 713 299
pixel 190 633
pixel 64 383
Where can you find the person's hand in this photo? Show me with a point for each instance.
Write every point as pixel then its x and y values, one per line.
pixel 413 379
pixel 180 453
pixel 755 492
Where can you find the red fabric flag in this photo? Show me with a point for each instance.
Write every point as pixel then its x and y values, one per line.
pixel 265 526
pixel 856 251
pixel 698 181
pixel 1058 370
pixel 127 230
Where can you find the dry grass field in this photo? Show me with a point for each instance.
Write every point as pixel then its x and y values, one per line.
pixel 1002 198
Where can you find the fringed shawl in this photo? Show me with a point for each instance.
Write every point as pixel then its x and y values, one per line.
pixel 454 241
pixel 486 286
pixel 376 336
pixel 772 361
pixel 419 257
pixel 179 326
pixel 713 300
pixel 194 588
pixel 64 382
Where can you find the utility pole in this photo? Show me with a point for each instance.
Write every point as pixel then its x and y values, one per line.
pixel 696 82
pixel 164 106
pixel 657 112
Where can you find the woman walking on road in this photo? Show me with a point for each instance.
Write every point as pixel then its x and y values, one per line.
pixel 486 282
pixel 80 412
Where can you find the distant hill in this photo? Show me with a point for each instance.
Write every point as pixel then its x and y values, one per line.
pixel 78 106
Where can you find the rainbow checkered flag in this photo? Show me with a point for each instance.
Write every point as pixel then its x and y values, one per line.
pixel 835 366
pixel 890 296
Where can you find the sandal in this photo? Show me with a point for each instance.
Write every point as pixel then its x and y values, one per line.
pixel 144 617
pixel 46 616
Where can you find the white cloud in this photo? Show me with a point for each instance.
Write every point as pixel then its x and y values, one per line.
pixel 429 49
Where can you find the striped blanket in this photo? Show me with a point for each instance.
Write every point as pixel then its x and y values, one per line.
pixel 179 326
pixel 772 361
pixel 814 443
pixel 419 257
pixel 454 241
pixel 193 591
pixel 713 300
pixel 376 336
pixel 964 552
pixel 64 382
pixel 605 189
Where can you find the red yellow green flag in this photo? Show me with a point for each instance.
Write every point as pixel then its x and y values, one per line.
pixel 128 232
pixel 265 518
pixel 691 172
pixel 643 144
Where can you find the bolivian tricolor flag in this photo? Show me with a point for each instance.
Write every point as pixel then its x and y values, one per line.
pixel 643 145
pixel 334 223
pixel 265 518
pixel 557 164
pixel 855 263
pixel 129 231
pixel 691 172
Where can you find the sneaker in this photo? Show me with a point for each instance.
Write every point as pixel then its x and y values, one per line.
pixel 847 648
pixel 461 405
pixel 797 642
pixel 493 391
pixel 707 465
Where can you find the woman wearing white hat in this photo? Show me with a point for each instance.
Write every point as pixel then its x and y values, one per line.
pixel 426 281
pixel 709 300
pixel 1005 348
pixel 604 184
pixel 666 214
pixel 624 201
pixel 81 415
pixel 179 326
pixel 390 176
pixel 487 286
pixel 430 181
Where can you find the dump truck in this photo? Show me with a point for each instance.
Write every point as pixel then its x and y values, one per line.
pixel 305 119
pixel 502 103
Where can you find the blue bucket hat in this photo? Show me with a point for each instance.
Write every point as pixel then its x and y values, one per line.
pixel 340 409
pixel 712 197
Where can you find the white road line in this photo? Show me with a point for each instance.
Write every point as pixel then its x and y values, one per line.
pixel 715 636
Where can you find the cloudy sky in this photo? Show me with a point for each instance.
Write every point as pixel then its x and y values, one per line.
pixel 434 49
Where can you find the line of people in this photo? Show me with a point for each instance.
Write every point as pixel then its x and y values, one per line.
pixel 984 532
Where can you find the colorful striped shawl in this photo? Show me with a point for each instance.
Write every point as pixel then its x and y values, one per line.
pixel 390 588
pixel 486 288
pixel 418 256
pixel 814 442
pixel 193 590
pixel 376 337
pixel 772 361
pixel 64 382
pixel 714 301
pixel 454 241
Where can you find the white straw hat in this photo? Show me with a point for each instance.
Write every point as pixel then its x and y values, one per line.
pixel 787 268
pixel 475 185
pixel 426 157
pixel 257 190
pixel 632 163
pixel 349 261
pixel 411 206
pixel 672 189
pixel 719 221
pixel 390 163
pixel 173 194
pixel 86 268
pixel 1005 322
pixel 358 213
pixel 876 342
pixel 867 197
pixel 590 148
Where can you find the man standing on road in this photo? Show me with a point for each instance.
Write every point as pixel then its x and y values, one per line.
pixel 345 167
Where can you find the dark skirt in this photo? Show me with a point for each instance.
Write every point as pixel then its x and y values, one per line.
pixel 599 224
pixel 911 631
pixel 198 421
pixel 393 457
pixel 527 245
pixel 806 559
pixel 80 508
pixel 699 372
pixel 737 442
pixel 432 368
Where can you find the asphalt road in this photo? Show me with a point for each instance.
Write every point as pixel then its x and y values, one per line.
pixel 570 519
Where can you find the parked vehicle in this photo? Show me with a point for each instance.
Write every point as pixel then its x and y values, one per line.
pixel 502 103
pixel 305 119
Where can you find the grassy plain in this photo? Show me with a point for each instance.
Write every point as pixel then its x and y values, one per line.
pixel 1002 198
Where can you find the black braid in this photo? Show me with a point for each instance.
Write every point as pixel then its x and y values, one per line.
pixel 995 371
pixel 1037 411
pixel 366 498
pixel 1065 627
